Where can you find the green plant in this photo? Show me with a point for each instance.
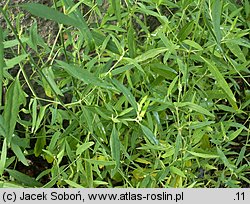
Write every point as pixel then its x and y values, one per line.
pixel 129 93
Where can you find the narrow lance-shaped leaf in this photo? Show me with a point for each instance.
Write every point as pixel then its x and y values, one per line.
pixel 73 184
pixel 185 31
pixel 177 171
pixel 88 169
pixel 236 50
pixel 126 93
pixel 48 72
pixel 100 162
pixel 222 82
pixel 11 109
pixel 195 107
pixel 216 14
pixel 115 147
pixel 16 60
pixel 178 145
pixel 49 13
pixel 24 179
pixel 149 135
pixel 203 155
pixel 19 154
pixel 74 19
pixel 84 75
pixel 33 36
pixel 241 155
pixel 131 41
pixel 224 159
pixel 40 142
pixel 83 147
pixel 116 4
pixel 3 156
pixel 150 54
pixel 1 64
pixel 52 14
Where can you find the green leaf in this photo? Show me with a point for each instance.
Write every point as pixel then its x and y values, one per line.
pixel 53 141
pixel 11 109
pixel 40 142
pixel 193 44
pixel 2 128
pixel 3 156
pixel 33 36
pixel 73 184
pixel 84 75
pixel 18 152
pixel 177 171
pixel 89 170
pixel 116 4
pixel 48 73
pixel 2 65
pixel 83 147
pixel 115 148
pixel 172 86
pixel 40 117
pixel 224 159
pixel 34 114
pixel 185 30
pixel 235 134
pixel 101 162
pixel 15 42
pixel 203 155
pixel 149 134
pixel 24 179
pixel 150 54
pixel 49 13
pixel 100 38
pixel 216 15
pixel 235 49
pixel 4 184
pixel 131 41
pixel 163 70
pixel 241 155
pixel 195 107
pixel 125 91
pixel 178 146
pixel 222 82
pixel 69 151
pixel 46 12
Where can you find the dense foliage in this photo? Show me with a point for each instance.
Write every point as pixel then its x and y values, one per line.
pixel 132 93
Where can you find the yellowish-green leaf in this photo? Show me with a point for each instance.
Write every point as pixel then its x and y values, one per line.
pixel 203 155
pixel 150 54
pixel 235 134
pixel 73 184
pixel 83 147
pixel 193 44
pixel 101 162
pixel 195 107
pixel 177 171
